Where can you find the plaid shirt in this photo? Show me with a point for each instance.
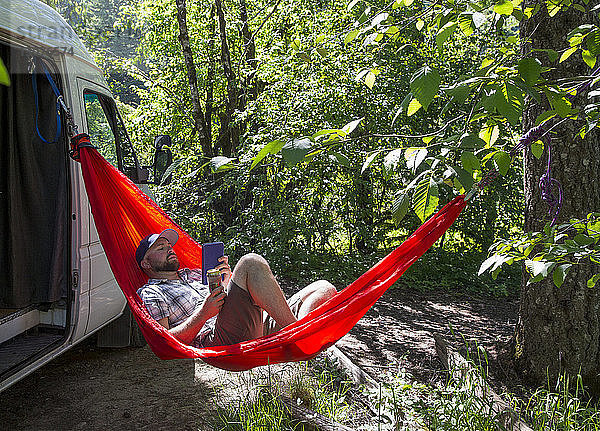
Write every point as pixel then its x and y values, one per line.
pixel 176 299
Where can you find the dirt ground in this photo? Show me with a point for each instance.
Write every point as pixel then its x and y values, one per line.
pixel 89 388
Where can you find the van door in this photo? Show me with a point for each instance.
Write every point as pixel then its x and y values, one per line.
pixel 105 127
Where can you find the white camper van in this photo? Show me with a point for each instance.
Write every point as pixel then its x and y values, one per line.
pixel 56 287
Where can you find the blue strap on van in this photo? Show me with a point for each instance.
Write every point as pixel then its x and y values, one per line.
pixel 37 108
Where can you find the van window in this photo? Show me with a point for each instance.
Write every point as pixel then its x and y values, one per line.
pixel 108 133
pixel 101 134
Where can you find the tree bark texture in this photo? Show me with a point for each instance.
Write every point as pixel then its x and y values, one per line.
pixel 184 41
pixel 249 50
pixel 559 328
pixel 229 134
pixel 210 76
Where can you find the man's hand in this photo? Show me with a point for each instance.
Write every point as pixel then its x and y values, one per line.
pixel 225 269
pixel 213 303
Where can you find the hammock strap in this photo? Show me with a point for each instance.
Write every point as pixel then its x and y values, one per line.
pixel 37 105
pixel 81 140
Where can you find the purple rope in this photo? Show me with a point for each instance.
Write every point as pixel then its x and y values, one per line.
pixel 534 134
pixel 546 182
pixel 488 178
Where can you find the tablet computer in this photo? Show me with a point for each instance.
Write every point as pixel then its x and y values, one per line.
pixel 211 252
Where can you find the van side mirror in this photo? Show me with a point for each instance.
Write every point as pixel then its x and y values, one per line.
pixel 163 158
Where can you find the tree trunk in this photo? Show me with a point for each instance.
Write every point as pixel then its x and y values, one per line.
pixel 559 328
pixel 229 134
pixel 210 76
pixel 184 41
pixel 249 51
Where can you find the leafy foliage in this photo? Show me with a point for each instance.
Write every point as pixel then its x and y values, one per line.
pixel 335 149
pixel 551 252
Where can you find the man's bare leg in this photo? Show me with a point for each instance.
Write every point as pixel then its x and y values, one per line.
pixel 253 274
pixel 314 295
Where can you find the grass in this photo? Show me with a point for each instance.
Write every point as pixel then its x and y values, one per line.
pixel 314 385
pixel 400 403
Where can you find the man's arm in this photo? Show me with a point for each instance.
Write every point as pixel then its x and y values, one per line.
pixel 187 330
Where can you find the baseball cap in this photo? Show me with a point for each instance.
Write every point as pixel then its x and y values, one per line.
pixel 171 235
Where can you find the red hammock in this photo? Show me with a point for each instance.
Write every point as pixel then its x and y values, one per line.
pixel 124 215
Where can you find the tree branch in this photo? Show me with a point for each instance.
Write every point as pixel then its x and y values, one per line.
pixel 184 41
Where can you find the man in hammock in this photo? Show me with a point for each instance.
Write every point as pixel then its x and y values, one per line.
pixel 251 305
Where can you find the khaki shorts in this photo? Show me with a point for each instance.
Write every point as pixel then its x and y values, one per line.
pixel 241 319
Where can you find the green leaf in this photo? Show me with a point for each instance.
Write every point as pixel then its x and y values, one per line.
pixel 565 55
pixel 504 7
pixel 342 159
pixel 379 18
pixel 444 33
pixel 559 274
pixel 530 70
pixel 508 100
pixel 465 22
pixel 589 59
pixel 370 79
pixel 546 115
pixel 592 281
pixel 502 161
pixel 420 24
pixel 592 41
pixel 472 142
pixel 400 207
pixel 424 85
pixel 559 103
pixel 351 36
pixel 413 107
pixel 349 128
pixel 272 147
pixel 538 267
pixel 464 178
pixel 537 149
pixel 294 151
pixel 426 198
pixel 172 167
pixel 583 239
pixel 351 5
pixel 221 163
pixel 414 157
pixel 554 6
pixel 581 30
pixel 369 161
pixel 470 161
pixel 332 133
pixel 487 264
pixel 4 76
pixel 458 92
pixel 392 159
pixel 490 134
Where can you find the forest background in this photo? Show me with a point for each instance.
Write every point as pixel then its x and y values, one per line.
pixel 321 134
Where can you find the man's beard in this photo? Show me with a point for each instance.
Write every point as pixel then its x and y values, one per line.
pixel 167 265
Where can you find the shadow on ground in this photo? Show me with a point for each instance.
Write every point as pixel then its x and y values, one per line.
pixel 93 389
pixel 397 331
